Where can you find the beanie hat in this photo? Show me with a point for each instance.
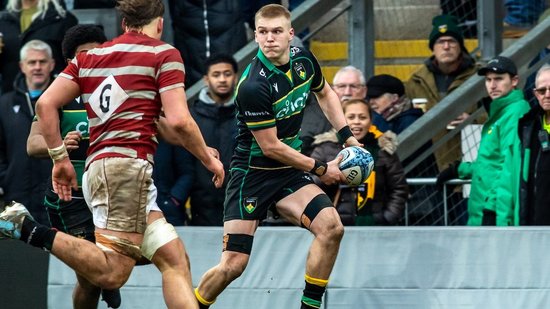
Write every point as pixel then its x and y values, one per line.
pixel 446 25
pixel 380 84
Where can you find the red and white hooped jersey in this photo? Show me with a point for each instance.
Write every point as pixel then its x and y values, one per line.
pixel 121 82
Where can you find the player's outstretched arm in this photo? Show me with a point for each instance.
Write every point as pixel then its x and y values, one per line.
pixel 179 125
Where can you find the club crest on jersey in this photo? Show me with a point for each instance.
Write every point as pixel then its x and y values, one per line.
pixel 300 70
pixel 250 204
pixel 107 98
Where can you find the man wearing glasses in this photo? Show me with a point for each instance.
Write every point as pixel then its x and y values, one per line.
pixel 494 173
pixel 449 67
pixel 348 83
pixel 534 130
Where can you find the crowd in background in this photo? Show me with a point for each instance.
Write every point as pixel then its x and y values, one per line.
pixel 376 108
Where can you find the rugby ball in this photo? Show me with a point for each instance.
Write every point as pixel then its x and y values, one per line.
pixel 357 164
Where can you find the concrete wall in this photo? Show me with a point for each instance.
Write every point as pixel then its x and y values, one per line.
pixel 377 268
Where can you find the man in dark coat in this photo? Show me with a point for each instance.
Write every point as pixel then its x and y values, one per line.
pixel 23 21
pixel 534 130
pixel 23 179
pixel 214 112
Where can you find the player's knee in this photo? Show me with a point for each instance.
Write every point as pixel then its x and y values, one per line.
pixel 110 281
pixel 234 266
pixel 332 230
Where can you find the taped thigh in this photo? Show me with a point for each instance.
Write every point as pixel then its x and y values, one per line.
pixel 117 244
pixel 157 234
pixel 238 243
pixel 313 208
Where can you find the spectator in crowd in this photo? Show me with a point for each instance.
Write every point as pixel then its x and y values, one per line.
pixel 386 96
pixel 348 83
pixel 173 179
pixel 381 200
pixel 521 15
pixel 203 27
pixel 26 20
pixel 530 83
pixel 74 217
pixel 534 134
pixel 23 178
pixel 449 66
pixel 495 172
pixel 214 111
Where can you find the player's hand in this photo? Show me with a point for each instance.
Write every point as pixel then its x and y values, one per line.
pixel 333 174
pixel 352 141
pixel 215 166
pixel 71 140
pixel 64 178
pixel 214 152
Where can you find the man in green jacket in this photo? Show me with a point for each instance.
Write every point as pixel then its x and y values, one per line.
pixel 495 173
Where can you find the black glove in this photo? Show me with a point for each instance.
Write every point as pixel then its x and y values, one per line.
pixel 451 172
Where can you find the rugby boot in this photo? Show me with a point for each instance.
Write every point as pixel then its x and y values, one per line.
pixel 11 220
pixel 111 297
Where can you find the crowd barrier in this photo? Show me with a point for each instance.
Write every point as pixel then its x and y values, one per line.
pixel 378 267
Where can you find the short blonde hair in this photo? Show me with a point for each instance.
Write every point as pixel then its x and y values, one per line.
pixel 272 11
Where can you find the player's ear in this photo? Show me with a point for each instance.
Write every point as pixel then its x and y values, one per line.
pixel 160 25
pixel 123 24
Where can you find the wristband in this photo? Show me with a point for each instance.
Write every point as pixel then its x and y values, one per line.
pixel 58 153
pixel 344 133
pixel 319 168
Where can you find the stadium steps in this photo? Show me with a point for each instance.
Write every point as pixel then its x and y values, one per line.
pixel 399 58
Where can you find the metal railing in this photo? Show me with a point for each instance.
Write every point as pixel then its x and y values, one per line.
pixel 444 197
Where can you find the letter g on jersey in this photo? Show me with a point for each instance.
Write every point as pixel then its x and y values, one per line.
pixel 107 98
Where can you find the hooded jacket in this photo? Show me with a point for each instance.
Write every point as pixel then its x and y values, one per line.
pixel 381 201
pixel 218 125
pixel 495 172
pixel 22 178
pixel 49 28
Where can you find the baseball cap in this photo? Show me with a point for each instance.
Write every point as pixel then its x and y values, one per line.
pixel 499 65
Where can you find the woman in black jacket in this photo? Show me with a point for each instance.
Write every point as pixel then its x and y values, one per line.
pixel 381 199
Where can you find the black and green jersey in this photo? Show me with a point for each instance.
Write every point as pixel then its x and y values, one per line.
pixel 270 96
pixel 73 118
